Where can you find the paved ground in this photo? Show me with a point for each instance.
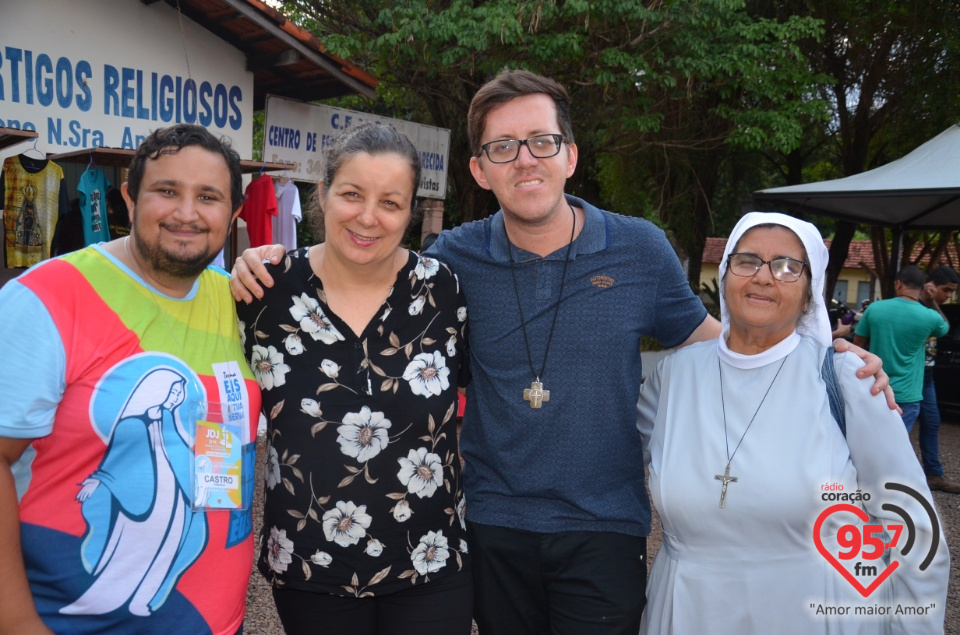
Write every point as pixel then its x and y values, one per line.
pixel 948 507
pixel 262 618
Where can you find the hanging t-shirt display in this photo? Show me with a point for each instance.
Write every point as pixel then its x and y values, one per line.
pixel 288 214
pixel 259 205
pixel 34 196
pixel 92 189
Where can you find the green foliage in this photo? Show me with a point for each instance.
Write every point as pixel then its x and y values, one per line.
pixel 617 176
pixel 681 107
pixel 258 136
pixel 628 64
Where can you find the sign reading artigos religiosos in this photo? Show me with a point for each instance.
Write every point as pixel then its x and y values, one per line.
pixel 105 73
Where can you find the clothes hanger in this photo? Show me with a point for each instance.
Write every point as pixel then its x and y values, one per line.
pixel 262 168
pixel 42 156
pixel 283 179
pixel 92 165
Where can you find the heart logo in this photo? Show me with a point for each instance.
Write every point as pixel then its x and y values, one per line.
pixel 864 591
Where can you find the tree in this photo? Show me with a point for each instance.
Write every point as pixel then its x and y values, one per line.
pixel 894 69
pixel 657 86
pixel 745 92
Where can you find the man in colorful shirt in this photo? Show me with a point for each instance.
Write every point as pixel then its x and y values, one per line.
pixel 115 516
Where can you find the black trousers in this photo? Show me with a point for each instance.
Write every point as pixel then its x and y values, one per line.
pixel 441 607
pixel 569 583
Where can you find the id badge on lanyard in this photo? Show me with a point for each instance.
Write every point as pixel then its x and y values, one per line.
pixel 219 468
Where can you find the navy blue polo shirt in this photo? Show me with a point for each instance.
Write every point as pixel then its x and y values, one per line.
pixel 576 463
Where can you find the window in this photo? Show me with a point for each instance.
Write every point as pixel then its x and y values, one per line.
pixel 840 291
pixel 864 292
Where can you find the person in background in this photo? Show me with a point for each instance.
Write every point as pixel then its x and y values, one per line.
pixel 560 294
pixel 118 216
pixel 941 286
pixel 124 351
pixel 68 235
pixel 740 438
pixel 897 330
pixel 359 347
pixel 841 330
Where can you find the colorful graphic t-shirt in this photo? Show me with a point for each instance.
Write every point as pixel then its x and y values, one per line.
pixel 113 382
pixel 92 189
pixel 33 200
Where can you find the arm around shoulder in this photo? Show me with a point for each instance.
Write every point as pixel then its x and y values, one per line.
pixel 883 455
pixel 249 275
pixel 709 329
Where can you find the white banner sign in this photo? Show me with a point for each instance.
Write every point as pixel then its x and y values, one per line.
pixel 104 73
pixel 297 132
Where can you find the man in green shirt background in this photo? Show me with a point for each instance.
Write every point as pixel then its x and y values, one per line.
pixel 897 330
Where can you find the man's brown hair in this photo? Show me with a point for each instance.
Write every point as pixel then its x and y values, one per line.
pixel 507 86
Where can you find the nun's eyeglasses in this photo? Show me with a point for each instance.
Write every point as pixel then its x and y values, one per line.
pixel 783 269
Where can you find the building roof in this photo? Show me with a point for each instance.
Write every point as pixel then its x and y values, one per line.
pixel 285 59
pixel 860 251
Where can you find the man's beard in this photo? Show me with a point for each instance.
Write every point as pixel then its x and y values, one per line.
pixel 161 261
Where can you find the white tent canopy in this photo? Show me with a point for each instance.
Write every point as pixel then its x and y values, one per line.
pixel 920 191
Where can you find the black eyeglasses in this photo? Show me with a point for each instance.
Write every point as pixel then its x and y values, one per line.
pixel 783 269
pixel 541 146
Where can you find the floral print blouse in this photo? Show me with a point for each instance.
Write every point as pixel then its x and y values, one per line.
pixel 363 488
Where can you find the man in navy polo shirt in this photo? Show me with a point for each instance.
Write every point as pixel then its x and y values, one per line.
pixel 559 294
pixel 557 507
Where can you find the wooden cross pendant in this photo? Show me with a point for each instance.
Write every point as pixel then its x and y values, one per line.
pixel 535 394
pixel 726 478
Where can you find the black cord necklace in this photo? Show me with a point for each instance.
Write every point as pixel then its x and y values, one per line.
pixel 535 394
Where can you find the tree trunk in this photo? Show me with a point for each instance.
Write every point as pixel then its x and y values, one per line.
pixel 839 248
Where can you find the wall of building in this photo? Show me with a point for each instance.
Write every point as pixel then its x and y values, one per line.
pixel 107 72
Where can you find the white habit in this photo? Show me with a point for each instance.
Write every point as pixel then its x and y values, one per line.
pixel 752 567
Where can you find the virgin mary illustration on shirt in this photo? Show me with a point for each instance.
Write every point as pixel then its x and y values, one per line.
pixel 141 533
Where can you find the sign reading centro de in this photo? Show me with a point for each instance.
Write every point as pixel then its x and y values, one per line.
pixel 297 132
pixel 102 73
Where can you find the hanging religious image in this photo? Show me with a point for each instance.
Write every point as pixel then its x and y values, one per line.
pixel 32 203
pixel 28 238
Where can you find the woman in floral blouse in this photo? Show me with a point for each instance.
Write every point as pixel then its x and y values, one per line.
pixel 358 348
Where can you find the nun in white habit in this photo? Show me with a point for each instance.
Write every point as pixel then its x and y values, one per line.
pixel 745 456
